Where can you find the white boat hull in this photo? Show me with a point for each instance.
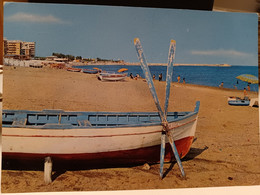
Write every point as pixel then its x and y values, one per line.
pixel 97 143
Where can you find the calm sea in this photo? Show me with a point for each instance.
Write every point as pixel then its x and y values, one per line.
pixel 200 75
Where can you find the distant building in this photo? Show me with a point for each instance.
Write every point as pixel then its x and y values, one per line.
pixel 5 46
pixel 19 49
pixel 28 48
pixel 56 59
pixel 51 57
pixel 13 48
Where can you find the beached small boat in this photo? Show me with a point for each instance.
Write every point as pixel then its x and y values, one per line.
pixel 237 101
pixel 111 76
pixel 74 69
pixel 97 137
pixel 90 71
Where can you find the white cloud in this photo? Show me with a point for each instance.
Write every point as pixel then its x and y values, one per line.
pixel 221 52
pixel 25 17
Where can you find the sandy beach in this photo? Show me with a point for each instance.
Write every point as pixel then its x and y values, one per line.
pixel 226 151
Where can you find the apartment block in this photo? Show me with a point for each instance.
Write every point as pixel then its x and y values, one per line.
pixel 28 48
pixel 19 49
pixel 5 46
pixel 13 48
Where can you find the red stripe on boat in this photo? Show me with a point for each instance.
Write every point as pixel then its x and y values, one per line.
pixel 142 155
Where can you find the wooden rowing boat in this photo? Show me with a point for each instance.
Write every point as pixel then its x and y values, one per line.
pixel 90 71
pixel 111 76
pixel 74 69
pixel 97 137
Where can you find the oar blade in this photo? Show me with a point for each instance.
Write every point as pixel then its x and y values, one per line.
pixel 169 73
pixel 175 152
pixel 162 154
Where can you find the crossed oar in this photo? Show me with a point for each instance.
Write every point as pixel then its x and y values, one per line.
pixel 163 115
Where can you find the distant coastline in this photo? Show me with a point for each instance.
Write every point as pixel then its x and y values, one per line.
pixel 153 64
pixel 219 65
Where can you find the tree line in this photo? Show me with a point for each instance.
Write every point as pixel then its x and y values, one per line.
pixel 71 57
pixel 68 56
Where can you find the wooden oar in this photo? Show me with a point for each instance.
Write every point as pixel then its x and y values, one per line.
pixel 169 73
pixel 163 118
pixel 167 95
pixel 148 76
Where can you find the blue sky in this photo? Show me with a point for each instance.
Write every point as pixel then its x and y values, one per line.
pixel 108 32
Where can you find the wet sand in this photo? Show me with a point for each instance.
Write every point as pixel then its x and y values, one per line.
pixel 226 151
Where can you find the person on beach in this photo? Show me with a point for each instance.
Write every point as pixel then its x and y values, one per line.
pixel 154 77
pixel 221 85
pixel 179 78
pixel 245 93
pixel 183 80
pixel 160 77
pixel 248 87
pixel 137 76
pixel 131 76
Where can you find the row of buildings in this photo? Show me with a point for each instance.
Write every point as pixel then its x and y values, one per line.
pixel 19 49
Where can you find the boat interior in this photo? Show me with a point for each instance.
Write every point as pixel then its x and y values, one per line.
pixel 59 119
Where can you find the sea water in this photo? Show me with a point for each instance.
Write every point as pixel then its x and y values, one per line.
pixel 200 75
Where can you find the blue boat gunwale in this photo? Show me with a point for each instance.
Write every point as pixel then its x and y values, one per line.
pixel 172 116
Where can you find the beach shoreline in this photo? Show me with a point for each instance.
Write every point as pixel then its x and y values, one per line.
pixel 225 137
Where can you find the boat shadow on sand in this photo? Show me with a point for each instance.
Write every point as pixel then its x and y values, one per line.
pixel 60 167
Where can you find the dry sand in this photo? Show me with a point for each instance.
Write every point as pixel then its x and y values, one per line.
pixel 226 151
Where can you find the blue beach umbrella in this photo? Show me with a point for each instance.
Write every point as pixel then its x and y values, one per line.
pixel 248 78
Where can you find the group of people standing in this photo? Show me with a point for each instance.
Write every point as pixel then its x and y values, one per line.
pixel 136 76
pixel 246 89
pixel 179 79
pixel 160 77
